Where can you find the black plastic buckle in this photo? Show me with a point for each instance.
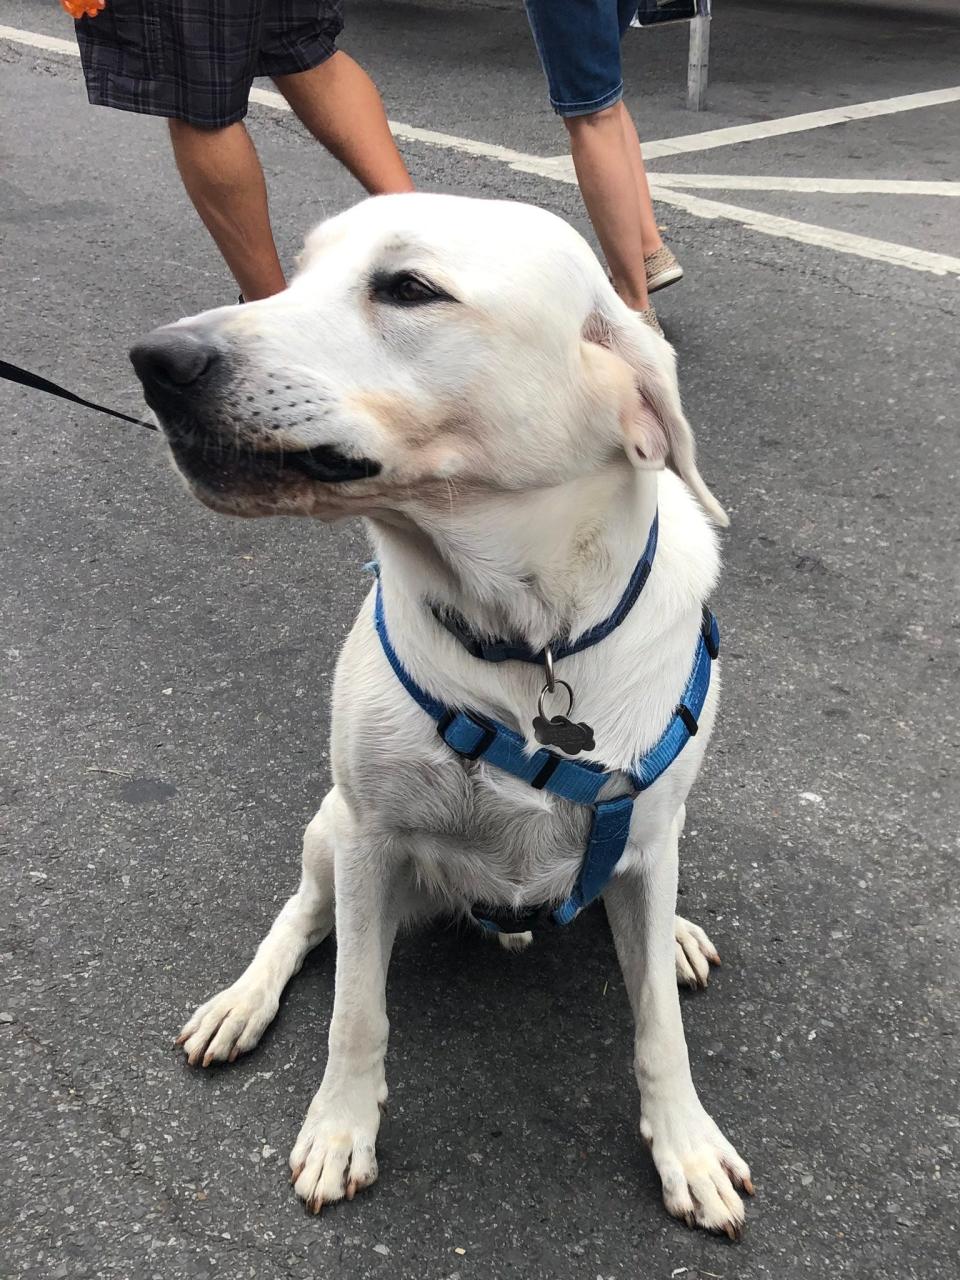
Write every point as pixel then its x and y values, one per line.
pixel 706 630
pixel 488 733
pixel 689 720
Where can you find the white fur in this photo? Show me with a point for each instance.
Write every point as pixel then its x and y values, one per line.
pixel 522 430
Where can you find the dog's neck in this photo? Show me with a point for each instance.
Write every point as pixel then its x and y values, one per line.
pixel 532 566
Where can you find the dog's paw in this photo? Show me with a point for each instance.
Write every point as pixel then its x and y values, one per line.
pixel 335 1153
pixel 695 953
pixel 700 1170
pixel 230 1023
pixel 515 941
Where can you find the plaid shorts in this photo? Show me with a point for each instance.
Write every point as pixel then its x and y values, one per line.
pixel 195 59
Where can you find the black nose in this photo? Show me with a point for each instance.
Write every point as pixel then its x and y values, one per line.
pixel 172 359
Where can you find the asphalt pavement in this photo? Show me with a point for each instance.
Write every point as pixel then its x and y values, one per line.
pixel 166 697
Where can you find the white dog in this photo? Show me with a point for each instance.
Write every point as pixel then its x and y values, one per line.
pixel 460 373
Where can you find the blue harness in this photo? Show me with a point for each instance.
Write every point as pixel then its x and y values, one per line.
pixel 473 736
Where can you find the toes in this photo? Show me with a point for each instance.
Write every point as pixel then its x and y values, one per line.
pixel 718 1207
pixel 226 1026
pixel 363 1168
pixel 333 1171
pixel 694 953
pixel 195 1046
pixel 332 1180
pixel 735 1165
pixel 676 1196
pixel 738 1172
pixel 700 1185
pixel 221 1046
pixel 703 942
pixel 698 962
pixel 731 1201
pixel 685 973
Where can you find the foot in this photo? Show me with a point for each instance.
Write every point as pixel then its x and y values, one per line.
pixel 335 1153
pixel 695 953
pixel 662 269
pixel 700 1170
pixel 649 317
pixel 230 1023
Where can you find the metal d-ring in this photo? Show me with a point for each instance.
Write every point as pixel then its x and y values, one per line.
pixel 561 684
pixel 548 668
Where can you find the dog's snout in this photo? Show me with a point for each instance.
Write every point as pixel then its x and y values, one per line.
pixel 174 360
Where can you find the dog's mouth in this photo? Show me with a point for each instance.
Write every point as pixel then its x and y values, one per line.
pixel 232 469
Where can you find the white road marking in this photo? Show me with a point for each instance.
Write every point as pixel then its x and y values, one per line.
pixel 898 255
pixel 824 186
pixel 37 41
pixel 797 124
pixel 560 168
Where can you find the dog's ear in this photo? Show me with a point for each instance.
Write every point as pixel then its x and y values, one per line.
pixel 656 433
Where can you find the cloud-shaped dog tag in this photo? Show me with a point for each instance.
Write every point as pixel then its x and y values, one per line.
pixel 568 737
pixel 560 731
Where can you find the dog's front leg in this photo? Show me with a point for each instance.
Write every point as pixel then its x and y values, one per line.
pixel 335 1153
pixel 698 1167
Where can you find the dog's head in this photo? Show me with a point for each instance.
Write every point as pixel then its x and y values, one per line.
pixel 429 348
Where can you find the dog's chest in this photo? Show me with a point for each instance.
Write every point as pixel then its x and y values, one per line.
pixel 475 833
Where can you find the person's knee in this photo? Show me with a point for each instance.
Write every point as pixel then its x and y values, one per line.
pixel 182 132
pixel 607 118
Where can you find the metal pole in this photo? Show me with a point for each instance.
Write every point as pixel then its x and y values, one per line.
pixel 698 62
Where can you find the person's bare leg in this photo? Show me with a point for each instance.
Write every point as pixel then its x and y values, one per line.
pixel 649 231
pixel 222 175
pixel 605 171
pixel 340 105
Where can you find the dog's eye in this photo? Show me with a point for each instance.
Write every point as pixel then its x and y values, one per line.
pixel 404 289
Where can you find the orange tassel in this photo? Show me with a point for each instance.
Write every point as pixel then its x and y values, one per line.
pixel 83 8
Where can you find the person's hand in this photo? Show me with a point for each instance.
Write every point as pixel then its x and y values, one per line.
pixel 83 8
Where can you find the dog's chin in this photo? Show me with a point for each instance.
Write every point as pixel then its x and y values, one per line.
pixel 238 481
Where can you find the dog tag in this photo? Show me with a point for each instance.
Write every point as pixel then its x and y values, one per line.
pixel 559 731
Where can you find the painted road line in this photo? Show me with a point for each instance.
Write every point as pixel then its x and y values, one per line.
pixel 825 186
pixel 897 255
pixel 797 124
pixel 53 44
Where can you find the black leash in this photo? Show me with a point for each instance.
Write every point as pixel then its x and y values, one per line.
pixel 13 373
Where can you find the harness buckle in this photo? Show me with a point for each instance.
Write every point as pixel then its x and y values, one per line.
pixel 488 733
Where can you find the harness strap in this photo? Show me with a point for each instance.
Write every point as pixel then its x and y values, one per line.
pixel 609 833
pixel 685 720
pixel 476 737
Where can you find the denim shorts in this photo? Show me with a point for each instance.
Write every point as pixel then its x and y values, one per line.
pixel 195 59
pixel 579 46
